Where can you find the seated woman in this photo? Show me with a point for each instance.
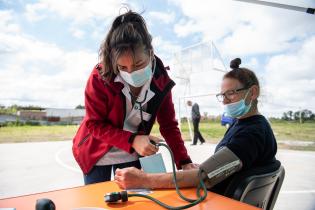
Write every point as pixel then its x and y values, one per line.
pixel 249 142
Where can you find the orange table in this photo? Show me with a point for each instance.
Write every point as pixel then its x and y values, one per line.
pixel 93 196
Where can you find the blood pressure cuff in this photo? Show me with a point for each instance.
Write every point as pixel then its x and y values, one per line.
pixel 220 166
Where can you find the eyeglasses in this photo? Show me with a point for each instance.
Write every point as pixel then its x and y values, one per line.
pixel 229 94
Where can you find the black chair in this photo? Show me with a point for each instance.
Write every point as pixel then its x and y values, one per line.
pixel 258 186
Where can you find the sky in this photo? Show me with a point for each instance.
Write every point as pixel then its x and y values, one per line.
pixel 49 47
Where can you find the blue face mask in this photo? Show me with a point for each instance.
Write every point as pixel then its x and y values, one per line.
pixel 238 108
pixel 137 78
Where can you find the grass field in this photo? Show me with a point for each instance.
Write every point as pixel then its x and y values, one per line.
pixel 294 131
pixel 37 133
pixel 212 132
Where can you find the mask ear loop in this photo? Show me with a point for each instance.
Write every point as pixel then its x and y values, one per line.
pixel 153 63
pixel 246 96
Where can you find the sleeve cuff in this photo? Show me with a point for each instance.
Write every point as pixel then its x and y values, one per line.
pixel 130 141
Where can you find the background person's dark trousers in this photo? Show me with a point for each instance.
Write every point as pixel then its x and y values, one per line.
pixel 197 134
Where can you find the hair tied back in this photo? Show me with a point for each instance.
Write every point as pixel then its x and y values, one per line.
pixel 123 10
pixel 235 63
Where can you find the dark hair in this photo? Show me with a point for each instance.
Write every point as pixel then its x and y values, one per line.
pixel 127 33
pixel 245 76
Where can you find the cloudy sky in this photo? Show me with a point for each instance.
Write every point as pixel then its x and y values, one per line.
pixel 49 47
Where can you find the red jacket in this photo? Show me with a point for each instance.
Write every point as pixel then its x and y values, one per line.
pixel 102 126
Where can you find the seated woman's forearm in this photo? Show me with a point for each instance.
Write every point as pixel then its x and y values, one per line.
pixel 187 178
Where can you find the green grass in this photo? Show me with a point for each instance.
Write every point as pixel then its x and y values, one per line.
pixel 37 133
pixel 294 131
pixel 288 131
pixel 212 132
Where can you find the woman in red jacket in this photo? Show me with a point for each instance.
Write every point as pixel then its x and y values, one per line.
pixel 125 93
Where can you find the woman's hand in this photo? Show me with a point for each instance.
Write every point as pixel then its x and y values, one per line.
pixel 143 146
pixel 128 178
pixel 190 166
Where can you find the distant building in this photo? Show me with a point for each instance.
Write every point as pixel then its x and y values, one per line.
pixel 68 116
pixel 63 113
pixel 52 116
pixel 35 115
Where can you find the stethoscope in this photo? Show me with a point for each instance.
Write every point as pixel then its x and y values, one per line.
pixel 134 99
pixel 114 197
pixel 139 103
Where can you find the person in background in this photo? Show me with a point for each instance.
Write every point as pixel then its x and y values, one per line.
pixel 126 92
pixel 248 143
pixel 195 116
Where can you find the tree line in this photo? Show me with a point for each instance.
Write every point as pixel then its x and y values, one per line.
pixel 301 115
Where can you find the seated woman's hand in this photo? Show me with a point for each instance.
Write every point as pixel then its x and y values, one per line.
pixel 128 178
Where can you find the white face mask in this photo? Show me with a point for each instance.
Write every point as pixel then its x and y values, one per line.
pixel 137 78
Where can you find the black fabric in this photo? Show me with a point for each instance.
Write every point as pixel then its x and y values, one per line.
pixel 153 105
pixel 260 170
pixel 197 134
pixel 252 141
pixel 195 113
pixel 310 10
pixel 159 68
pixel 103 173
pixel 195 116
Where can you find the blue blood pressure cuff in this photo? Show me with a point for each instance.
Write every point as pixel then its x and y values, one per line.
pixel 220 166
